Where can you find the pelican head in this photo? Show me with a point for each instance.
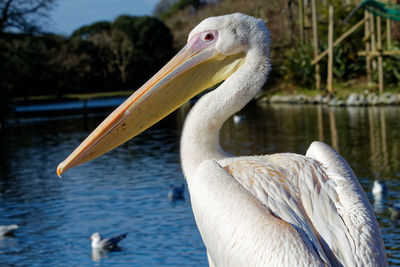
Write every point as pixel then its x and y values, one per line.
pixel 216 48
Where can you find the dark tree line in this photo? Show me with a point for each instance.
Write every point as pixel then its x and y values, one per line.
pixel 104 56
pixel 168 8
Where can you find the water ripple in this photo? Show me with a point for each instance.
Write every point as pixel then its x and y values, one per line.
pixel 126 189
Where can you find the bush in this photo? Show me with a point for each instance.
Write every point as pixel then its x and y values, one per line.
pixel 391 68
pixel 297 67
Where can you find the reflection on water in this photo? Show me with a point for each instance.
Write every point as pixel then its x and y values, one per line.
pixel 127 189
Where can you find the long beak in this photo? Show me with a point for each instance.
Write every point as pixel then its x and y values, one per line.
pixel 187 74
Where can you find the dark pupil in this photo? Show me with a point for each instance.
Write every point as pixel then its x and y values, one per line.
pixel 209 37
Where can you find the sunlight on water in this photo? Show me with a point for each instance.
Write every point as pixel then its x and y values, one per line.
pixel 126 190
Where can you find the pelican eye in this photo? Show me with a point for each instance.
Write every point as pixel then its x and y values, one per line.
pixel 209 37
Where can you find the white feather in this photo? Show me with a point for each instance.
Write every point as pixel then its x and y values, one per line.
pixel 273 210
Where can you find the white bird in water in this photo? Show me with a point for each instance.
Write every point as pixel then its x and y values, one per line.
pixel 272 210
pixel 109 243
pixel 379 192
pixel 237 119
pixel 379 189
pixel 7 230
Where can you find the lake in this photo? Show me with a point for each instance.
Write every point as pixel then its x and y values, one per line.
pixel 125 191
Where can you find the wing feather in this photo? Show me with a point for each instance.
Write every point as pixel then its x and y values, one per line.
pixel 308 194
pixel 274 190
pixel 237 228
pixel 353 206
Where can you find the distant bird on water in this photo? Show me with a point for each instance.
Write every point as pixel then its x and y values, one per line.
pixel 379 192
pixel 7 230
pixel 394 211
pixel 176 192
pixel 237 119
pixel 107 243
pixel 379 189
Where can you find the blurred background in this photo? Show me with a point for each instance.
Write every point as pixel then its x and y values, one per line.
pixel 65 64
pixel 55 49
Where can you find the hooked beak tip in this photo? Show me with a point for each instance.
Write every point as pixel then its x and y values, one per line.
pixel 59 170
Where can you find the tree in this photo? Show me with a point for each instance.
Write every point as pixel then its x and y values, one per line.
pixel 122 48
pixel 23 14
pixel 87 31
pixel 152 46
pixel 28 66
pixel 166 8
pixel 163 6
pixel 118 55
pixel 180 5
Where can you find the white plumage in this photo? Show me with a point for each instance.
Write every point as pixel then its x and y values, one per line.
pixel 273 210
pixel 379 190
pixel 109 243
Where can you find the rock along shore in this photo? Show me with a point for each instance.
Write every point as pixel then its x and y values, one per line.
pixel 354 99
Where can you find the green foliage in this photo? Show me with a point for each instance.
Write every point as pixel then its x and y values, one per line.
pixel 28 66
pixel 346 64
pixel 391 68
pixel 85 31
pixel 103 56
pixel 298 67
pixel 126 24
pixel 152 41
pixel 178 6
pixel 291 60
pixel 162 6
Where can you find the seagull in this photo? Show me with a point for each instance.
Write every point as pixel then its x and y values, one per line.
pixel 110 243
pixel 7 230
pixel 282 209
pixel 176 192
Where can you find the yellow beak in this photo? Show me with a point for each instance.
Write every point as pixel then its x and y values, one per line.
pixel 191 71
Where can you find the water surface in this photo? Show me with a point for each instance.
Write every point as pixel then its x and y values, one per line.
pixel 126 189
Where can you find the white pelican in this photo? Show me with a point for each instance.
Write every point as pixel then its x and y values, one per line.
pixel 273 210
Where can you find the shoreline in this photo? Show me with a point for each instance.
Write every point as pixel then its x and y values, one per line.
pixel 354 99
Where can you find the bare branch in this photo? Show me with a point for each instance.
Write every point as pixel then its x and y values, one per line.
pixel 21 14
